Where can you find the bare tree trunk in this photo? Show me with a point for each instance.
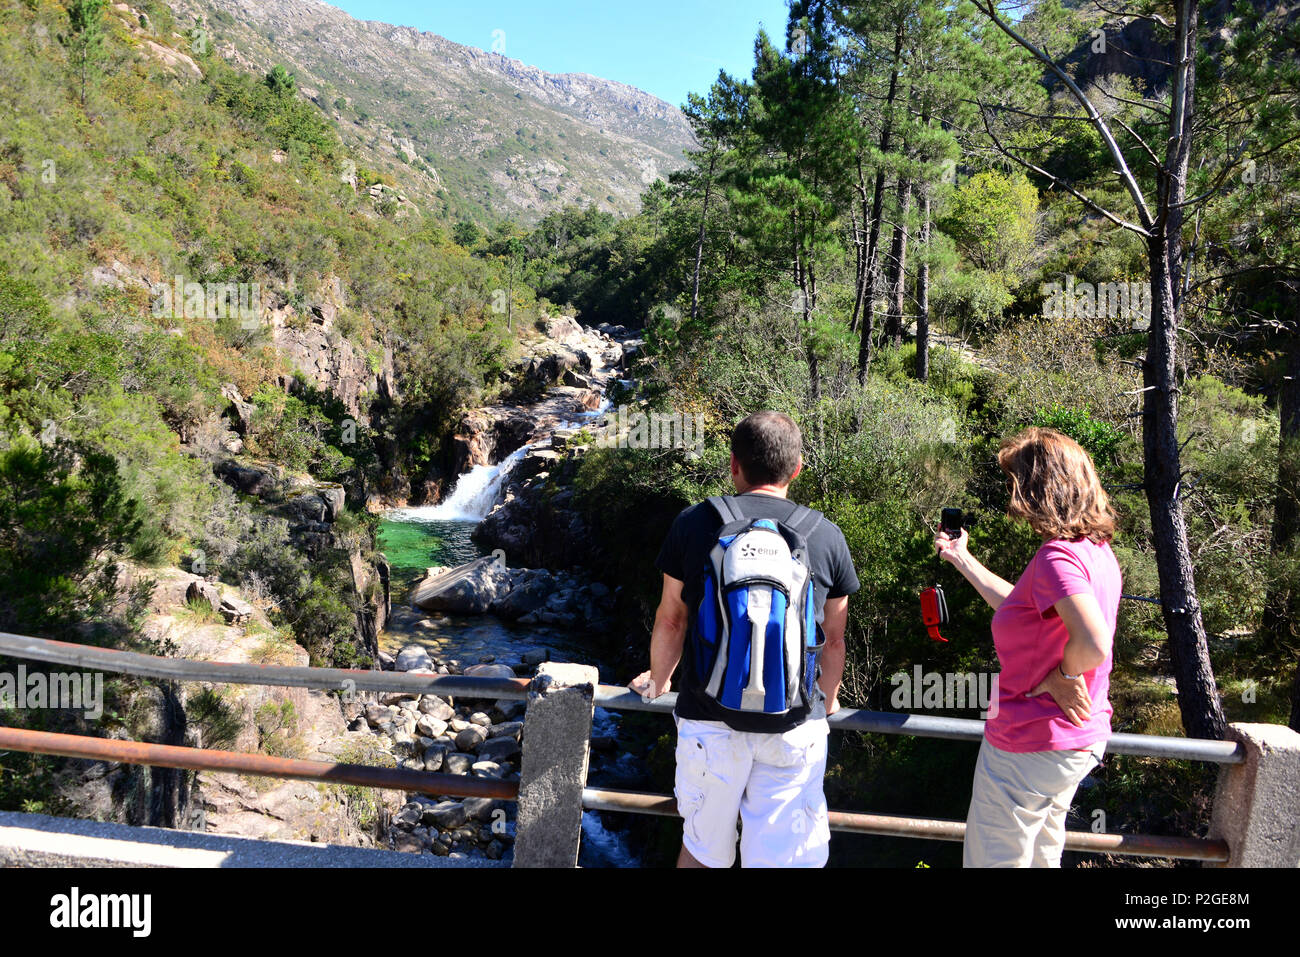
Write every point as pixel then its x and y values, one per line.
pixel 1198 698
pixel 923 295
pixel 859 255
pixel 867 295
pixel 699 246
pixel 814 364
pixel 1281 625
pixel 898 266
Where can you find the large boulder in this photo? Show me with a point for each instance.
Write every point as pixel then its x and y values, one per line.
pixel 242 410
pixel 468 590
pixel 489 671
pixel 528 596
pixel 249 479
pixel 233 610
pixel 413 657
pixel 564 329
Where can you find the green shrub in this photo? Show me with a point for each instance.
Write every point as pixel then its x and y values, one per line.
pixel 1101 439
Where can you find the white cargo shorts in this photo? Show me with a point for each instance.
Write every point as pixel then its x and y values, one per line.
pixel 773 782
pixel 1019 803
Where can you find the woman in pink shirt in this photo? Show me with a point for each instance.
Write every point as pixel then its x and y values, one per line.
pixel 1052 631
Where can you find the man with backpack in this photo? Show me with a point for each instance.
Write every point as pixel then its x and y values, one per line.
pixel 754 605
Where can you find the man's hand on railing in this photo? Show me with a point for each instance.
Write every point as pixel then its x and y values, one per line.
pixel 644 685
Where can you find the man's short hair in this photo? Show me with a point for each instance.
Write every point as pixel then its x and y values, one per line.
pixel 766 446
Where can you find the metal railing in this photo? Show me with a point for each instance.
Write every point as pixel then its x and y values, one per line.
pixel 612 697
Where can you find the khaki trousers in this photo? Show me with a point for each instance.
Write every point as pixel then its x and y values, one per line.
pixel 1019 803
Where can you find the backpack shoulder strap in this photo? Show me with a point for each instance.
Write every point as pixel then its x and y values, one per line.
pixel 726 509
pixel 803 520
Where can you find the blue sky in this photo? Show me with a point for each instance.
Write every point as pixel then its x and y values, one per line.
pixel 665 47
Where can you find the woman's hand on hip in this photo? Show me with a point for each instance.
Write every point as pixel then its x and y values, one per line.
pixel 1070 695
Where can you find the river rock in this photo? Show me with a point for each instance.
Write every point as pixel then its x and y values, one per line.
pixel 409 815
pixel 436 707
pixel 471 738
pixel 431 726
pixel 458 763
pixel 507 729
pixel 528 596
pixel 487 769
pixel 489 671
pixel 469 590
pixel 498 749
pixel 446 815
pixel 436 756
pixel 480 809
pixel 511 710
pixel 479 718
pixel 412 657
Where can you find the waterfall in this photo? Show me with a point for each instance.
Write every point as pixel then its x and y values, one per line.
pixel 474 495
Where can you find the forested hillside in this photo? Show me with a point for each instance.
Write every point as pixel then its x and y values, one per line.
pixel 910 232
pixel 220 336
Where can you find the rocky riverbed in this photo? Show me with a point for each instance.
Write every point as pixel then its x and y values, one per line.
pixel 435 733
pixel 486 617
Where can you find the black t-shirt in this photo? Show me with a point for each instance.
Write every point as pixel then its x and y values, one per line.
pixel 686 550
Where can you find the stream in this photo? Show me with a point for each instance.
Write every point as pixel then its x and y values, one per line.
pixel 415 539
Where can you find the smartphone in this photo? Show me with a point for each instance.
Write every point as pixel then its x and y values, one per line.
pixel 952 521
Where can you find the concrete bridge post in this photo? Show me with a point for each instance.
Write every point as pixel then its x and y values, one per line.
pixel 1255 802
pixel 557 739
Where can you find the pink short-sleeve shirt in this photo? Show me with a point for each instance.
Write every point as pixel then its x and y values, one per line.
pixel 1029 637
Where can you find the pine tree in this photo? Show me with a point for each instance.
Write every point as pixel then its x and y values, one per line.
pixel 85 36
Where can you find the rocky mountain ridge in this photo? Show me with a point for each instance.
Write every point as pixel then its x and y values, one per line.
pixel 467 132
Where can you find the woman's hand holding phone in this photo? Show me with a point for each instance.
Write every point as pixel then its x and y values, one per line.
pixel 952 550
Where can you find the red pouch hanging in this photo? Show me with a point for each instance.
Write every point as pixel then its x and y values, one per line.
pixel 934 611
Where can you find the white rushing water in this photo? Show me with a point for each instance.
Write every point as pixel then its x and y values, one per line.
pixel 474 495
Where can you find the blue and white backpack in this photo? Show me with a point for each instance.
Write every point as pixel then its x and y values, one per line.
pixel 756 633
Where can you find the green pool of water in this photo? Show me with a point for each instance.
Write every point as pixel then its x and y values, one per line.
pixel 412 547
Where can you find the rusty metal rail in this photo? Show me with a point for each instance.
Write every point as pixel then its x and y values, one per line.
pixel 199 759
pixel 893 825
pixel 280 676
pixel 960 729
pixel 613 697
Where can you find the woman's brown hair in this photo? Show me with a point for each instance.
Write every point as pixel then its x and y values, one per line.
pixel 1055 488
